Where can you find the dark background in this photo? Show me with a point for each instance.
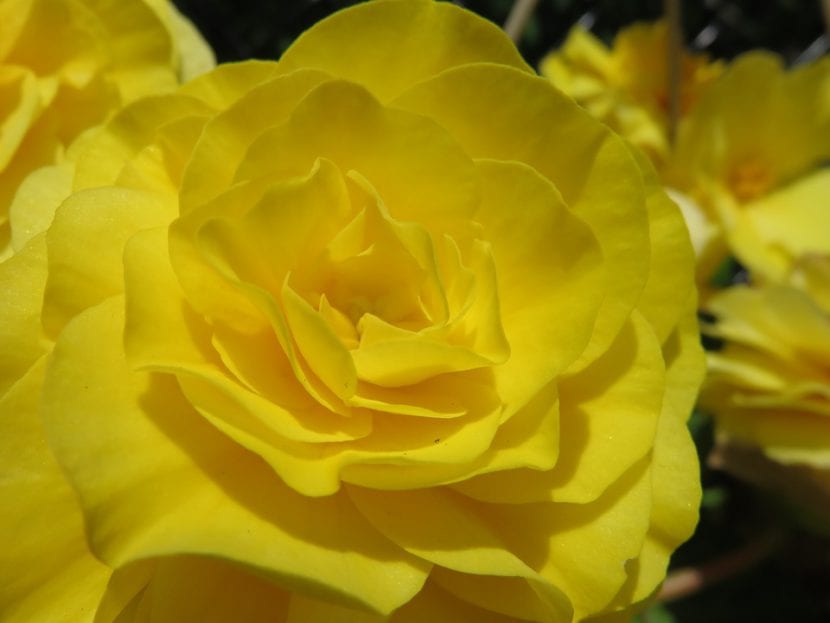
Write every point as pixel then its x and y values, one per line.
pixel 791 585
pixel 240 30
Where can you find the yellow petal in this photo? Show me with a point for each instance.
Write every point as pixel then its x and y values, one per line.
pixel 514 597
pixel 164 334
pixel 141 48
pixel 423 36
pixel 20 108
pixel 40 521
pixel 36 201
pixel 442 527
pixel 394 150
pixel 434 603
pixel 102 219
pixel 669 284
pixel 193 588
pixel 793 220
pixel 119 601
pixel 102 154
pixel 21 337
pixel 531 124
pixel 250 99
pixel 675 474
pixel 544 256
pixel 594 451
pixel 302 609
pixel 195 55
pixel 582 549
pixel 169 470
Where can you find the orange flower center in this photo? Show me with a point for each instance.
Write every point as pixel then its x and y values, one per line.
pixel 750 179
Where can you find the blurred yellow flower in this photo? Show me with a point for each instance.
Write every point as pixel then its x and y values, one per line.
pixel 326 339
pixel 752 157
pixel 66 65
pixel 768 385
pixel 626 85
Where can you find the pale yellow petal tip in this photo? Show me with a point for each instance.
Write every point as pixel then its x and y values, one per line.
pixel 195 54
pixel 362 314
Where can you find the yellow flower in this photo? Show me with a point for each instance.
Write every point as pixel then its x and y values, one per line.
pixel 626 86
pixel 752 156
pixel 390 329
pixel 66 65
pixel 768 386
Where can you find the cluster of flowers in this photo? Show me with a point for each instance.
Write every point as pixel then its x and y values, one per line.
pixel 388 330
pixel 749 168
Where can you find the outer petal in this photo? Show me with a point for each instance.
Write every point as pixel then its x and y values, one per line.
pixel 46 571
pixel 370 43
pixel 582 549
pixel 101 156
pixel 626 382
pixel 175 486
pixel 36 201
pixel 394 150
pixel 21 338
pixel 675 471
pixel 250 101
pixel 548 266
pixel 675 475
pixel 532 124
pixel 453 532
pixel 195 55
pixel 669 286
pixel 436 604
pixel 103 219
pixel 193 588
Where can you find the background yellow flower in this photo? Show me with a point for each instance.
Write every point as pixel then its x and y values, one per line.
pixel 627 85
pixel 67 65
pixel 753 157
pixel 768 384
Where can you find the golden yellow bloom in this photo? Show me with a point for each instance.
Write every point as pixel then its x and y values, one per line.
pixel 387 330
pixel 66 65
pixel 768 386
pixel 626 86
pixel 752 156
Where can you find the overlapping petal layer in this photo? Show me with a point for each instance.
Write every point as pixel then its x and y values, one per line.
pixel 361 349
pixel 752 157
pixel 626 85
pixel 68 65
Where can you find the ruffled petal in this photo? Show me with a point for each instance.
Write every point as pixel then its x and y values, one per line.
pixel 423 36
pixel 169 471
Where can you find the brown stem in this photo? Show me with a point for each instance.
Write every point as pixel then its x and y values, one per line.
pixel 517 20
pixel 689 580
pixel 671 9
pixel 825 5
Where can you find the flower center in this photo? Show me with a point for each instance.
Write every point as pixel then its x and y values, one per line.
pixel 749 179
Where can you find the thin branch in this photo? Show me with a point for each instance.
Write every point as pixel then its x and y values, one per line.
pixel 671 9
pixel 517 20
pixel 689 580
pixel 825 6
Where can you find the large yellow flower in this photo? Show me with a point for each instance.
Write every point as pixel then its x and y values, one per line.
pixel 752 158
pixel 66 65
pixel 627 85
pixel 768 386
pixel 390 329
